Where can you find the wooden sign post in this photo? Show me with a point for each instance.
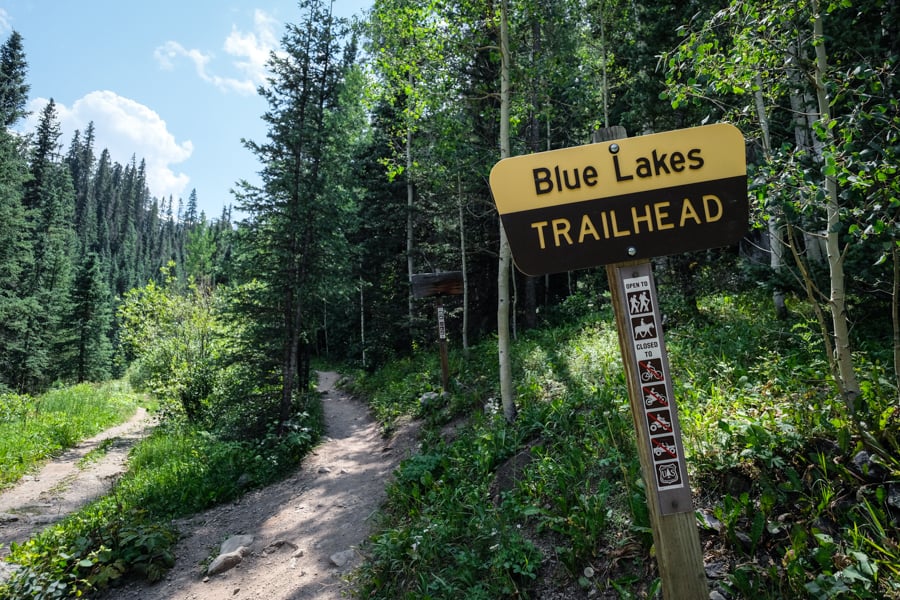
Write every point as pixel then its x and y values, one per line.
pixel 619 202
pixel 448 283
pixel 658 433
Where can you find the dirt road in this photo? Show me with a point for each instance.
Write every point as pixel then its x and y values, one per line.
pixel 64 484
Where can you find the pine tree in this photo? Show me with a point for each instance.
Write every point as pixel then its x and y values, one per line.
pixel 190 212
pixel 13 88
pixel 15 260
pixel 287 242
pixel 89 349
pixel 44 154
pixel 49 202
pixel 80 160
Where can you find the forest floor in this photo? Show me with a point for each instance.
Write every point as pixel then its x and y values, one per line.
pixel 324 509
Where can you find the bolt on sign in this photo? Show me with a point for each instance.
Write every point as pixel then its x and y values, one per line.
pixel 627 199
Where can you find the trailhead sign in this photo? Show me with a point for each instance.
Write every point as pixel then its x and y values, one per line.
pixel 627 199
pixel 620 203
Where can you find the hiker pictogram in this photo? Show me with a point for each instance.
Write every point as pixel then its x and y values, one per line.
pixel 639 303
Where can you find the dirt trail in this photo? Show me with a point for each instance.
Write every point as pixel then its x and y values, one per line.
pixel 298 524
pixel 62 486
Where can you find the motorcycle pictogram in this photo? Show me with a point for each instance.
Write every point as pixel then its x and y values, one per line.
pixel 661 448
pixel 652 397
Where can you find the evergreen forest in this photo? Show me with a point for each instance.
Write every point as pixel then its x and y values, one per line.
pixel 382 132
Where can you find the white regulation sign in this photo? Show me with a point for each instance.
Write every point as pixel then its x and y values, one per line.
pixel 660 415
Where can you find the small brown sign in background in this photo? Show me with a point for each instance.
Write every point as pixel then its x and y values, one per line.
pixel 445 283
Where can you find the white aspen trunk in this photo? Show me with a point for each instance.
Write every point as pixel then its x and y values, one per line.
pixel 848 384
pixel 505 259
pixel 895 314
pixel 514 304
pixel 325 323
pixel 362 321
pixel 603 65
pixel 776 250
pixel 410 194
pixel 805 118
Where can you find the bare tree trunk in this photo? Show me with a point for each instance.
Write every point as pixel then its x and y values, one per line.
pixel 410 198
pixel 805 118
pixel 505 260
pixel 776 250
pixel 463 265
pixel 536 94
pixel 603 64
pixel 362 321
pixel 895 314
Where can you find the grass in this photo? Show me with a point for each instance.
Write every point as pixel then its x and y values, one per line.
pixel 793 505
pixel 497 510
pixel 33 430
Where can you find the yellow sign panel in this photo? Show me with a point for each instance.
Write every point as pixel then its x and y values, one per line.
pixel 625 166
pixel 631 198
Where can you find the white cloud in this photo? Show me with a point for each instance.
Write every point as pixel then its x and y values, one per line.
pixel 125 128
pixel 5 24
pixel 249 51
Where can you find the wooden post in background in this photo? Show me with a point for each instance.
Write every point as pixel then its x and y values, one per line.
pixel 674 525
pixel 447 283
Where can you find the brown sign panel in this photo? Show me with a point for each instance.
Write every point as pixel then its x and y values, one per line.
pixel 629 199
pixel 447 283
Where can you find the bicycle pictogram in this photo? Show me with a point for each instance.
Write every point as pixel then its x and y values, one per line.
pixel 651 370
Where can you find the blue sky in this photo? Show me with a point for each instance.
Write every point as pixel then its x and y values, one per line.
pixel 170 81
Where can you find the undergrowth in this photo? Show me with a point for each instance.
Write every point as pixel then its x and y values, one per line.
pixel 790 503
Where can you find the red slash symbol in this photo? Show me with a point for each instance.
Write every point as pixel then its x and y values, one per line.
pixel 649 372
pixel 654 395
pixel 659 422
pixel 663 448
